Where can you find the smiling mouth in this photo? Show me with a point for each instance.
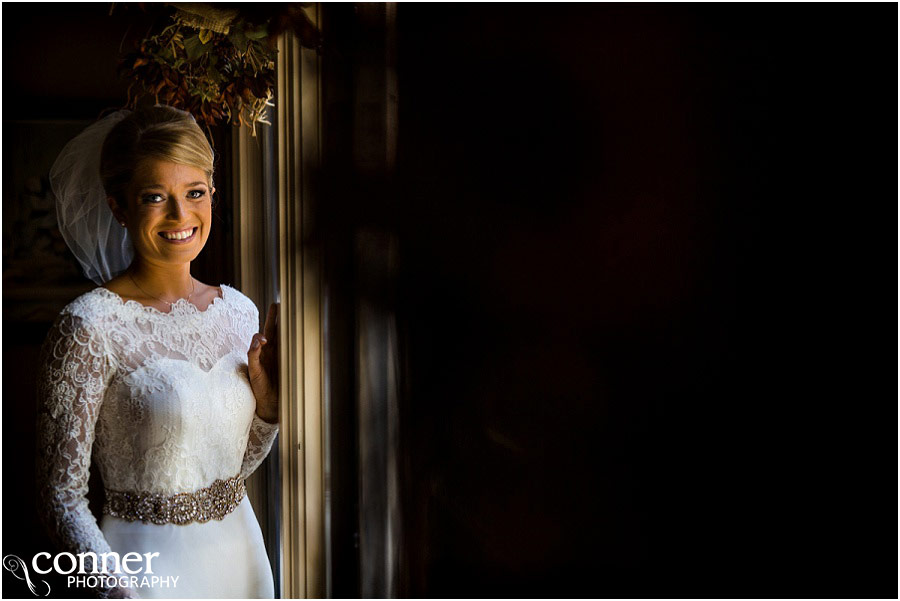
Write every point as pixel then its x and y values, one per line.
pixel 179 236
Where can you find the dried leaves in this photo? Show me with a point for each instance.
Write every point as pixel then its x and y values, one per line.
pixel 217 77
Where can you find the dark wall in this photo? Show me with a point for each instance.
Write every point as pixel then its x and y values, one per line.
pixel 594 308
pixel 47 78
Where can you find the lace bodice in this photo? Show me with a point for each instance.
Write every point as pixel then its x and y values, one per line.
pixel 162 399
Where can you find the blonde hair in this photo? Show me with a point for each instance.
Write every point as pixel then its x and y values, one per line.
pixel 158 132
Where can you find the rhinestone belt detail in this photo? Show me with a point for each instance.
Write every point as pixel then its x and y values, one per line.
pixel 211 503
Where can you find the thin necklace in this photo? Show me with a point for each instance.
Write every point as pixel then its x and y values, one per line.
pixel 161 300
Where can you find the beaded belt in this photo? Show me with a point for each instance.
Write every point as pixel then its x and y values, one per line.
pixel 211 503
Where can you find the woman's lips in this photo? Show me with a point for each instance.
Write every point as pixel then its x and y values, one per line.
pixel 193 232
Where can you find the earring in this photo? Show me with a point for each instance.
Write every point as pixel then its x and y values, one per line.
pixel 122 223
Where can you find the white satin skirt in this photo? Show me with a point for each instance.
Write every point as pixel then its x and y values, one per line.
pixel 218 559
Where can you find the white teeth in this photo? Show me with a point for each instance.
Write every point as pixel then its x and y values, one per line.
pixel 179 235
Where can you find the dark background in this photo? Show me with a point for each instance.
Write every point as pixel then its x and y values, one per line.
pixel 583 186
pixel 649 285
pixel 646 296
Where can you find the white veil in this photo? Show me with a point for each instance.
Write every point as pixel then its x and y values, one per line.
pixel 87 224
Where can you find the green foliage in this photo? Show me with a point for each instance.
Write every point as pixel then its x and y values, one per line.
pixel 216 77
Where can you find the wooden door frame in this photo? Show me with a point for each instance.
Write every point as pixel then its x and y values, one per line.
pixel 298 142
pixel 294 495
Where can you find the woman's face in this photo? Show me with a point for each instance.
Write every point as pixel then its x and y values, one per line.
pixel 168 212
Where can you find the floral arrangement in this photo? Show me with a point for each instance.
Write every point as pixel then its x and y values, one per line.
pixel 212 63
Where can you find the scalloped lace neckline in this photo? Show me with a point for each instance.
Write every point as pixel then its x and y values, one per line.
pixel 180 306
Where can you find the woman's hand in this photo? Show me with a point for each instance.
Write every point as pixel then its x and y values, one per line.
pixel 262 359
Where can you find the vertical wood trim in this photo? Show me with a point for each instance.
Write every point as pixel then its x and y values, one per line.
pixel 291 433
pixel 250 272
pixel 314 355
pixel 246 171
pixel 299 141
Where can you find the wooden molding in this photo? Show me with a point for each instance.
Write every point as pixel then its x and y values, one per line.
pixel 298 133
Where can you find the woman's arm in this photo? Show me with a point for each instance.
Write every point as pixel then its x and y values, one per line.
pixel 75 371
pixel 262 360
pixel 262 435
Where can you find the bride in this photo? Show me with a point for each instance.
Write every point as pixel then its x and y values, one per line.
pixel 164 378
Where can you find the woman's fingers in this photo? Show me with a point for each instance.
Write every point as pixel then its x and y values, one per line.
pixel 257 343
pixel 253 353
pixel 270 330
pixel 255 359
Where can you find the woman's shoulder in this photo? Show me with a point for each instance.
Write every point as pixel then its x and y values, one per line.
pixel 82 321
pixel 238 299
pixel 91 307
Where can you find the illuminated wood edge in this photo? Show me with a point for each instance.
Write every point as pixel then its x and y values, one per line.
pixel 298 148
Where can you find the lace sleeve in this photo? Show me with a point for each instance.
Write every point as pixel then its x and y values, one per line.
pixel 74 373
pixel 262 435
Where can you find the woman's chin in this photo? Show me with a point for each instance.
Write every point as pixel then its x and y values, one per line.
pixel 184 254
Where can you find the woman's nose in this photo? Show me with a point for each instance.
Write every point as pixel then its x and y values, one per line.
pixel 176 209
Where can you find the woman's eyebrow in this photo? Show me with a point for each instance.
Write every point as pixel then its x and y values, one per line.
pixel 161 187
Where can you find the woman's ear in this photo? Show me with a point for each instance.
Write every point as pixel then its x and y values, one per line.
pixel 116 210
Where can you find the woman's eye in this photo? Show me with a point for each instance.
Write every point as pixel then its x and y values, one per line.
pixel 196 194
pixel 154 198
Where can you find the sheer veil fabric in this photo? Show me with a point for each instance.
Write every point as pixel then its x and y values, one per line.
pixel 85 220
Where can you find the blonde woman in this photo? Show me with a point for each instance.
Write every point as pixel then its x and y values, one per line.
pixel 164 380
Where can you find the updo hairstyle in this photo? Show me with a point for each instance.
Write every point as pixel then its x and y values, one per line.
pixel 157 132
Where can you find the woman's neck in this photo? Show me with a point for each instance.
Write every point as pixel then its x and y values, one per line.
pixel 165 282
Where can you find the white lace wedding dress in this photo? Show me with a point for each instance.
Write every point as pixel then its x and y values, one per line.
pixel 164 401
